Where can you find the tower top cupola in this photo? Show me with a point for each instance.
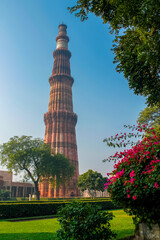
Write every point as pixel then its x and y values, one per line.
pixel 62 38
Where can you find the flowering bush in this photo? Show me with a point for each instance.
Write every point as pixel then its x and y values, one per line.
pixel 135 181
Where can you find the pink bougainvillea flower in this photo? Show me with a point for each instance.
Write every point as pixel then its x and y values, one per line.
pixel 136 173
pixel 114 179
pixel 132 174
pixel 132 180
pixel 156 185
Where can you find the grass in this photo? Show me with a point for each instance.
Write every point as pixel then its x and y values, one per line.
pixel 29 230
pixel 46 229
pixel 122 224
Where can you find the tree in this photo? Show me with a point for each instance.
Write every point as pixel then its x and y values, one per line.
pixel 33 156
pixel 91 181
pixel 59 170
pixel 4 194
pixel 151 116
pixel 136 56
pixel 137 45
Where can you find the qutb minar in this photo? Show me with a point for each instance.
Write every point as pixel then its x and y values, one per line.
pixel 60 120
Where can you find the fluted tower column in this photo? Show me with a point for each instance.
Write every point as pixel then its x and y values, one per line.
pixel 60 120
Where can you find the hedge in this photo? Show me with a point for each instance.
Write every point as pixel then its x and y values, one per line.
pixel 56 199
pixel 47 200
pixel 30 209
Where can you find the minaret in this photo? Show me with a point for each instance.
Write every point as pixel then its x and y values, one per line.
pixel 60 121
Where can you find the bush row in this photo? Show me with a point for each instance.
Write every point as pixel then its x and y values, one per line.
pixel 30 209
pixel 56 200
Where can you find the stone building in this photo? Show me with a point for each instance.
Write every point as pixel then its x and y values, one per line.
pixel 98 194
pixel 60 120
pixel 17 189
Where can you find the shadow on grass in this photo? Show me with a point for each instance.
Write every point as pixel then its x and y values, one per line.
pixel 28 236
pixel 124 233
pixel 121 234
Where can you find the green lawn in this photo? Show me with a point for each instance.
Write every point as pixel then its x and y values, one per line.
pixel 122 224
pixel 46 229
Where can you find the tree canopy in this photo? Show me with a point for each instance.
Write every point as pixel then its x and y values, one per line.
pixel 151 116
pixel 33 157
pixel 91 181
pixel 4 195
pixel 137 45
pixel 59 170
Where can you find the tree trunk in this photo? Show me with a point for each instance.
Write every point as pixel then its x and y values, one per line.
pixel 91 193
pixel 37 192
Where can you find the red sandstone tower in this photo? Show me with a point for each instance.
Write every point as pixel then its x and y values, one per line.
pixel 60 121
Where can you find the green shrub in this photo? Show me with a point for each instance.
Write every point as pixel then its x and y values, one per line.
pixel 80 221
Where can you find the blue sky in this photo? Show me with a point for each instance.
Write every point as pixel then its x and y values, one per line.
pixel 101 96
